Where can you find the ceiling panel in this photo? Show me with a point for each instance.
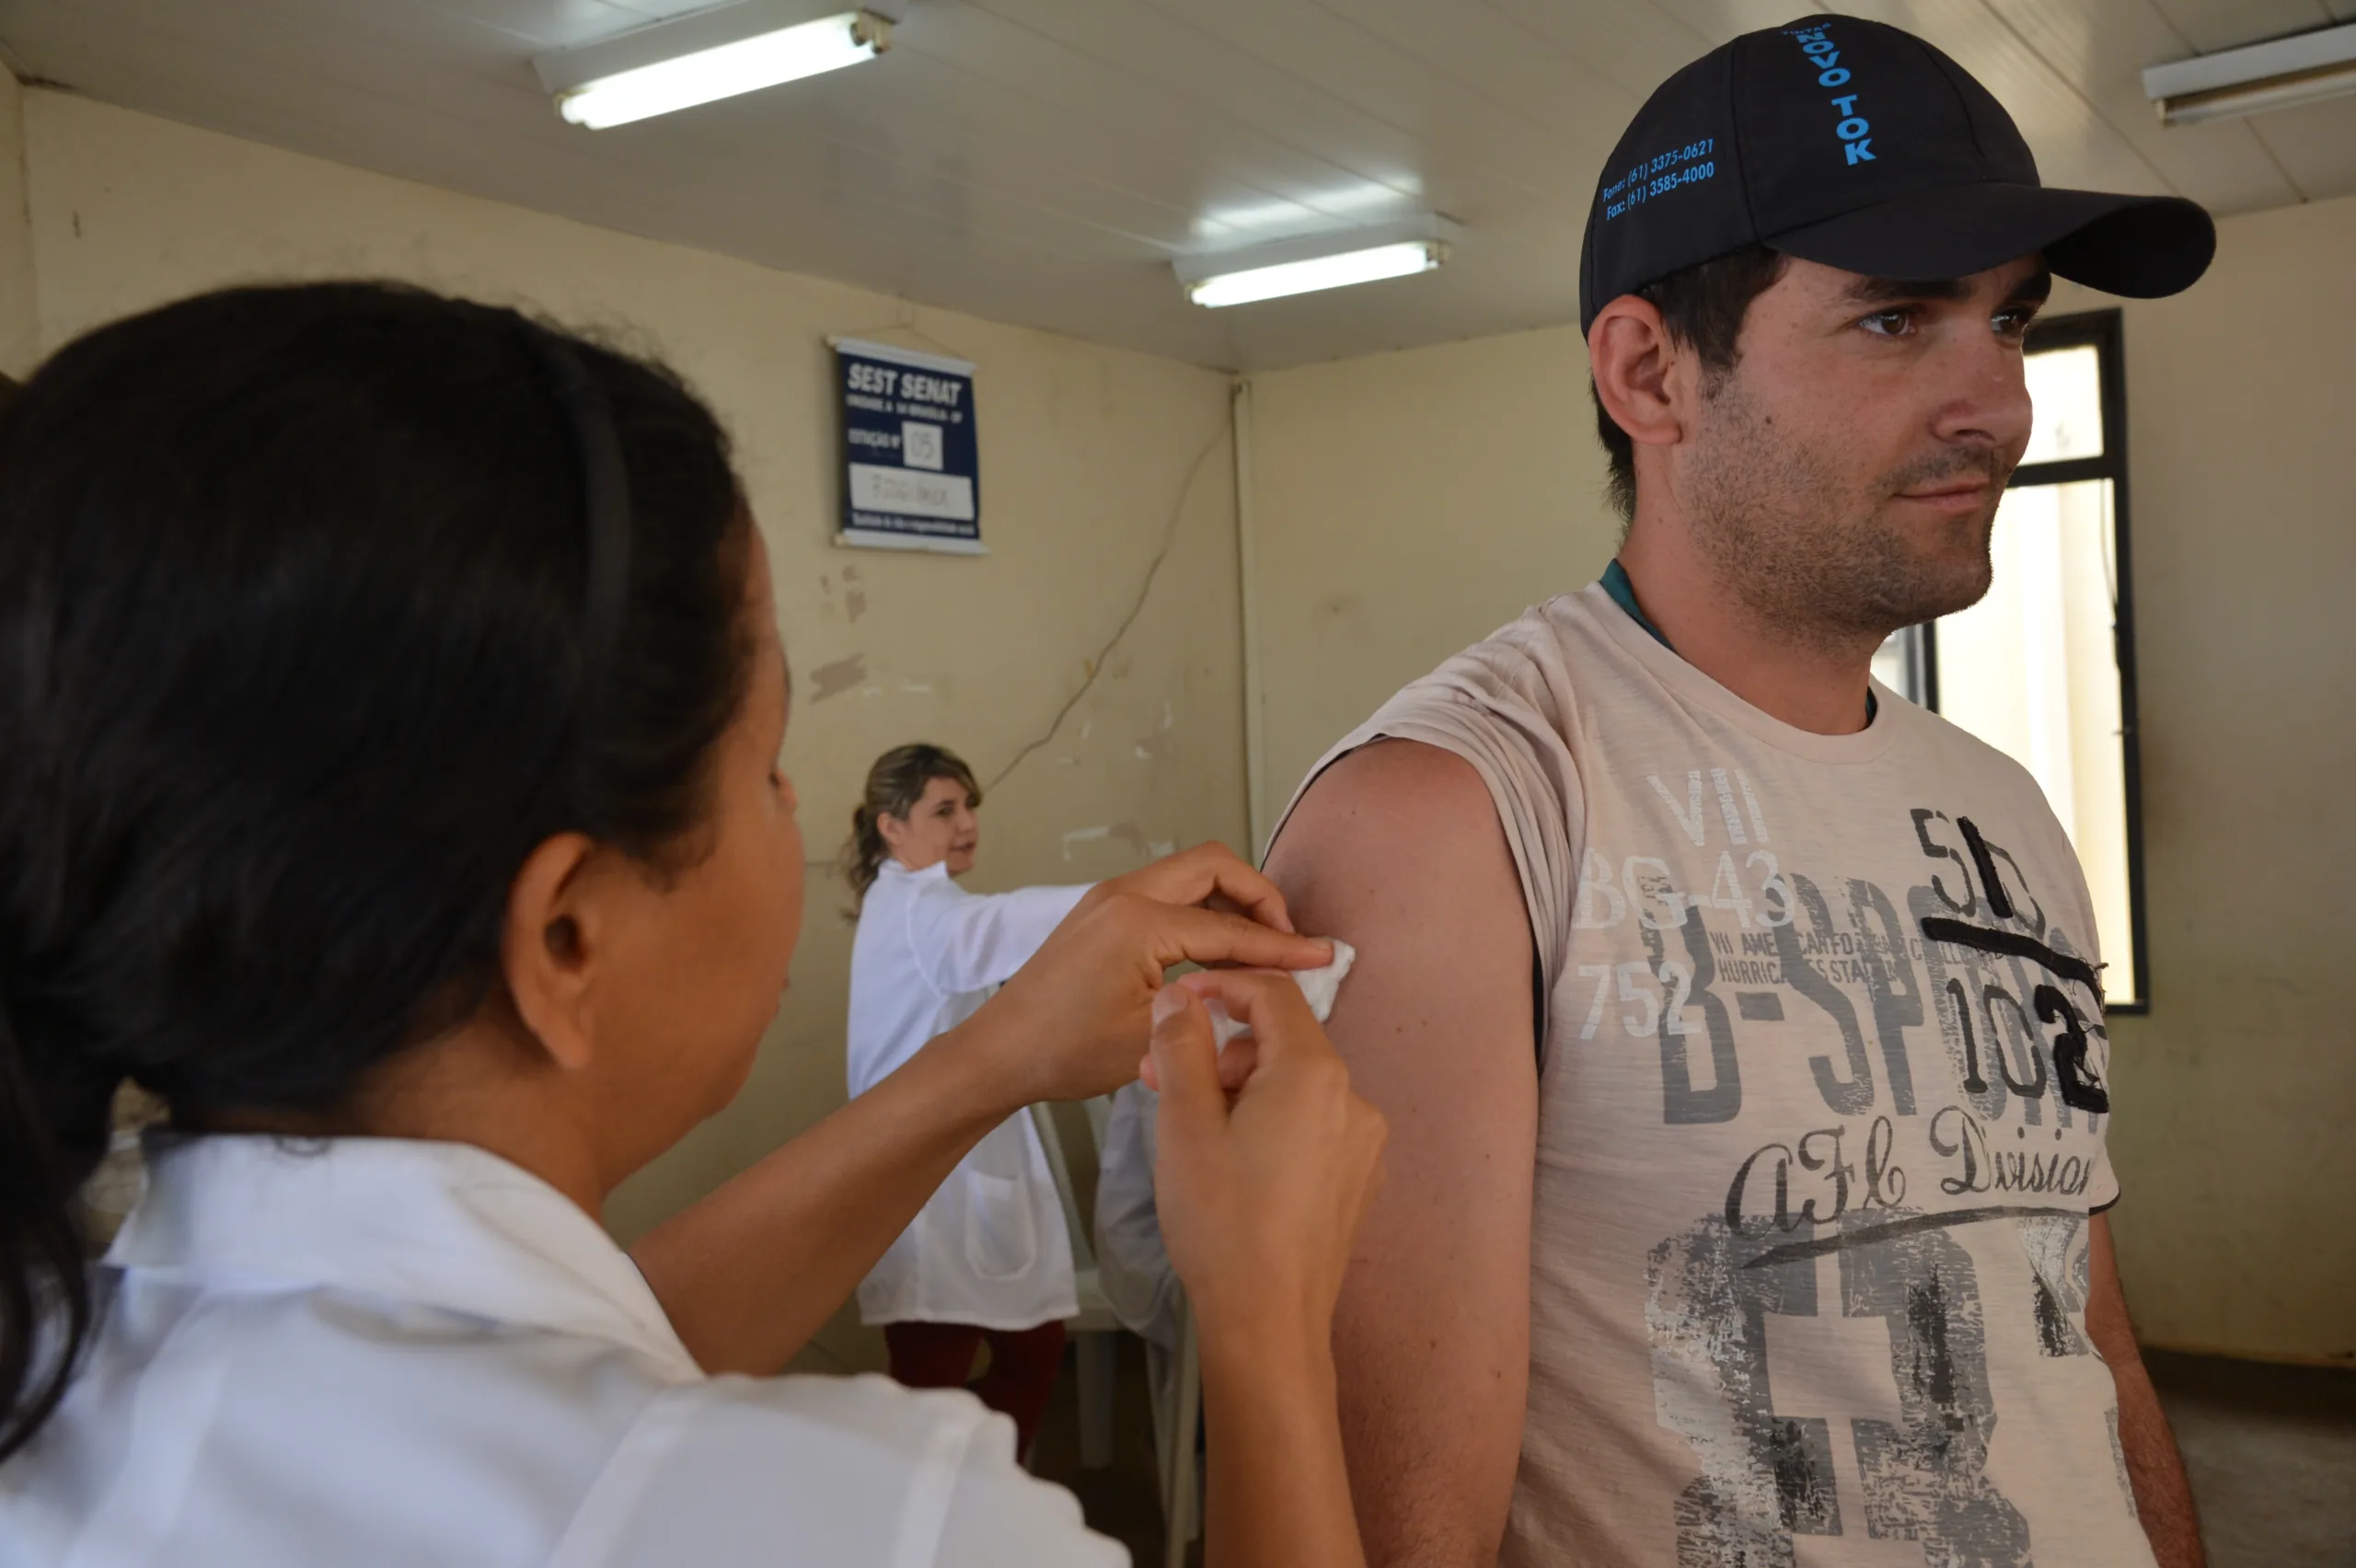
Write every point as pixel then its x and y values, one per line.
pixel 1475 147
pixel 2316 145
pixel 2102 46
pixel 1041 161
pixel 2208 26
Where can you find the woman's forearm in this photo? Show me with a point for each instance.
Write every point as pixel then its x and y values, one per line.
pixel 748 1275
pixel 1279 1491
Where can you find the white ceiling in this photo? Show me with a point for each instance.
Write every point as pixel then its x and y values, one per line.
pixel 1041 161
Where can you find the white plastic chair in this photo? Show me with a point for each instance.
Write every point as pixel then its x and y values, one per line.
pixel 1177 1383
pixel 1093 1328
pixel 1174 1380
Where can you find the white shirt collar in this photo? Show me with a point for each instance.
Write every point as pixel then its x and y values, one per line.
pixel 937 872
pixel 441 1225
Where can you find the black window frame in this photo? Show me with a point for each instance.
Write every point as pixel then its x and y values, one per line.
pixel 2105 332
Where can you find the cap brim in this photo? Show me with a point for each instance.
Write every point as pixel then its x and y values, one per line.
pixel 2142 246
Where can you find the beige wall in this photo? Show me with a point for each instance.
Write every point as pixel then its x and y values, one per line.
pixel 2239 1090
pixel 1405 504
pixel 1098 465
pixel 19 330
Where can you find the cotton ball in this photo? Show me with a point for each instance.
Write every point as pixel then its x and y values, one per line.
pixel 1320 986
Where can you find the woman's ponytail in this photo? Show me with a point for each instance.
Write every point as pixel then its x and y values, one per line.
pixel 52 1135
pixel 864 853
pixel 320 607
pixel 894 785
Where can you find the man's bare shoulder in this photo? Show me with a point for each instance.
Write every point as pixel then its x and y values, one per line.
pixel 1415 798
pixel 1401 833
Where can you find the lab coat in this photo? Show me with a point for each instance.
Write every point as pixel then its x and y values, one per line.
pixel 990 1247
pixel 378 1353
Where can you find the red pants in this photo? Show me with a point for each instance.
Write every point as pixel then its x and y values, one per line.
pixel 1023 1364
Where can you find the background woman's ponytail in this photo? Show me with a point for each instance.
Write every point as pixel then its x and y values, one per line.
pixel 894 785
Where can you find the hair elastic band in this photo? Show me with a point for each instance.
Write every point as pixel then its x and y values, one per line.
pixel 605 488
pixel 605 485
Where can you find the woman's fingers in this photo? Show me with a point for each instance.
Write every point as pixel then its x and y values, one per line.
pixel 1271 1006
pixel 1210 872
pixel 1208 936
pixel 1259 1198
pixel 1186 1067
pixel 1237 1061
pixel 1070 1023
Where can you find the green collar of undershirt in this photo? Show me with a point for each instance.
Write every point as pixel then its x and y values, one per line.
pixel 1623 593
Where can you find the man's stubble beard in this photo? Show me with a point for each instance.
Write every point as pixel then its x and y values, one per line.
pixel 1813 557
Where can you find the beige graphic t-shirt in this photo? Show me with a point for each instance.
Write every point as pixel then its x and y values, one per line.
pixel 1822 1115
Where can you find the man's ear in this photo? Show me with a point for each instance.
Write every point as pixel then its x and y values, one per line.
pixel 550 945
pixel 1637 365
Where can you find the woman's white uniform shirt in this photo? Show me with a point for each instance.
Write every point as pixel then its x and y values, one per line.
pixel 990 1247
pixel 370 1352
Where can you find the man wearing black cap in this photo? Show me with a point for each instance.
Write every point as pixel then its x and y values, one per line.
pixel 1786 1244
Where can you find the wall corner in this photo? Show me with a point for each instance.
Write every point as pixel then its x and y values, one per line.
pixel 19 312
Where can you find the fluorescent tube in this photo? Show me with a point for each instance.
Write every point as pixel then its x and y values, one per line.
pixel 1368 266
pixel 2278 74
pixel 2255 98
pixel 725 70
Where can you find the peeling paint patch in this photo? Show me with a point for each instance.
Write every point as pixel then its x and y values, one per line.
pixel 855 601
pixel 1153 746
pixel 1128 833
pixel 922 688
pixel 833 680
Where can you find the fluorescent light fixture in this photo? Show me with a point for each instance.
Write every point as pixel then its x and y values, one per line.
pixel 1332 262
pixel 707 55
pixel 2282 73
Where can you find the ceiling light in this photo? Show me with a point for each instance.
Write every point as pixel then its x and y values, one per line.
pixel 2286 72
pixel 706 56
pixel 1362 256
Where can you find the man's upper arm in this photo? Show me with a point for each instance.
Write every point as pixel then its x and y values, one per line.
pixel 1397 849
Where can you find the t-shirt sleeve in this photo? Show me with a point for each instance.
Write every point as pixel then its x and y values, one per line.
pixel 742 1472
pixel 1493 707
pixel 967 942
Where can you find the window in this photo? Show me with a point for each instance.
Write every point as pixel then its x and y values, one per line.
pixel 2043 668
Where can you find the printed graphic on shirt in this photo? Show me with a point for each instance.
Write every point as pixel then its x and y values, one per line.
pixel 1954 1038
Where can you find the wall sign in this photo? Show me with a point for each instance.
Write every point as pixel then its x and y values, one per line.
pixel 912 476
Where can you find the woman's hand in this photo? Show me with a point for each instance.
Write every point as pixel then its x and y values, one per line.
pixel 1075 1019
pixel 1259 1199
pixel 1259 1192
pixel 748 1275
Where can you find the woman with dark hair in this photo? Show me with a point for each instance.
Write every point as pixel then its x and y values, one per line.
pixel 988 1259
pixel 390 700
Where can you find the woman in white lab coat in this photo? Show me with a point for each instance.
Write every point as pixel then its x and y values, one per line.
pixel 390 703
pixel 988 1259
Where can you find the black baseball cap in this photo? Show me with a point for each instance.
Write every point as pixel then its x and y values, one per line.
pixel 1858 146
